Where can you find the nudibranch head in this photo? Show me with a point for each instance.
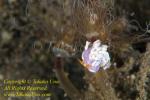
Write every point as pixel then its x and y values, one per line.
pixel 96 56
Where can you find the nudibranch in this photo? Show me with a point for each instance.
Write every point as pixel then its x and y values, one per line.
pixel 95 56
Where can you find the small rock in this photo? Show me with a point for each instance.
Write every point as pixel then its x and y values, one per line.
pixel 11 1
pixel 1 77
pixel 65 95
pixel 9 98
pixel 91 88
pixel 133 77
pixel 48 98
pixel 6 36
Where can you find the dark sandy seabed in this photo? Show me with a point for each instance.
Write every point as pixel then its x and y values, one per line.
pixel 28 29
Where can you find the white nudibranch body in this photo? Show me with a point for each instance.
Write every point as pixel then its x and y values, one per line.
pixel 96 56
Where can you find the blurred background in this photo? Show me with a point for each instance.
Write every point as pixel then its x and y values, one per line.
pixel 29 29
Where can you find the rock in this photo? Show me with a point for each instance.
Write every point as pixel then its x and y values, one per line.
pixel 91 88
pixel 133 77
pixel 11 1
pixel 6 37
pixel 1 77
